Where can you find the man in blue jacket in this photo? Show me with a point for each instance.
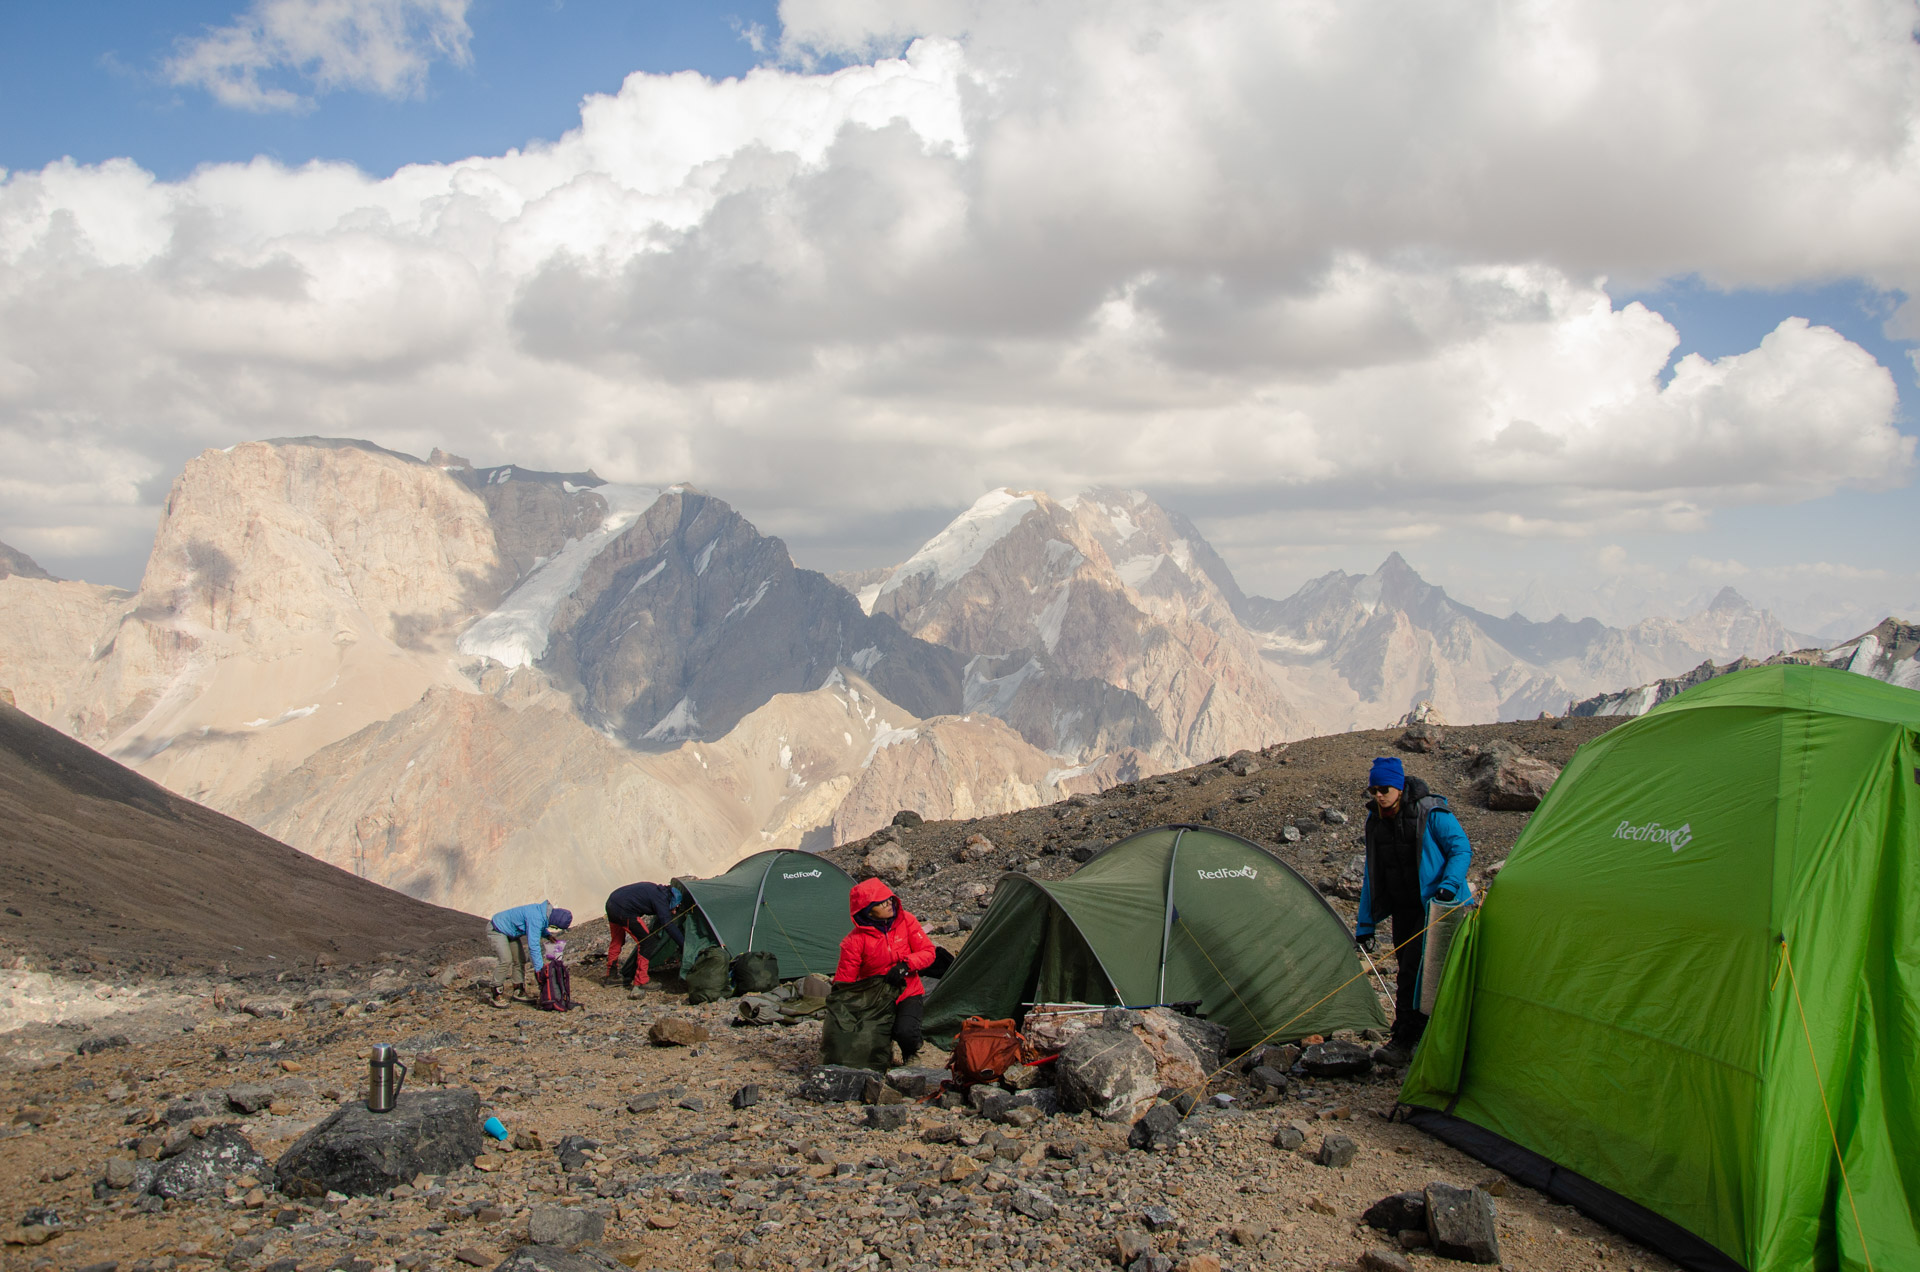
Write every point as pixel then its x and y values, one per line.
pixel 1416 854
pixel 516 937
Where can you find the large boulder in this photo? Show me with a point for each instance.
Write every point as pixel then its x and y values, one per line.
pixel 206 1165
pixel 837 1084
pixel 1518 783
pixel 1207 1038
pixel 1108 1071
pixel 356 1152
pixel 889 861
pixel 1336 1058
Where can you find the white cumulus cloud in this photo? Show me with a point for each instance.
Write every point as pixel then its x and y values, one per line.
pixel 1343 267
pixel 374 46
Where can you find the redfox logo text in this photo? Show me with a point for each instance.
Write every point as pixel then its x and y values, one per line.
pixel 804 874
pixel 1244 872
pixel 1675 837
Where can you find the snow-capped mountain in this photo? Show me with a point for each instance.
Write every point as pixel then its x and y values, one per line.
pixel 1890 652
pixel 1094 626
pixel 475 682
pixel 1358 651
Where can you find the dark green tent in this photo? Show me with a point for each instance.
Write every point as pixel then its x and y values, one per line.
pixel 1704 946
pixel 1175 914
pixel 792 904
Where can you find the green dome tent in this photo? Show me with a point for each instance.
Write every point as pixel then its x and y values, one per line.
pixel 790 903
pixel 1175 914
pixel 1690 1003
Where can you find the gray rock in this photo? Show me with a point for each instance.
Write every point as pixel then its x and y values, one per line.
pixel 1336 1058
pixel 746 1097
pixel 571 1152
pixel 1208 1038
pixel 918 1083
pixel 1033 1203
pixel 648 1102
pixel 888 861
pixel 1289 1137
pixel 1397 1213
pixel 1333 817
pixel 907 819
pixel 692 1103
pixel 1518 783
pixel 191 1108
pixel 1087 849
pixel 1157 1129
pixel 968 922
pixel 1461 1223
pixel 886 1117
pixel 356 1152
pixel 250 1098
pixel 1108 1072
pixel 1158 1218
pixel 1043 1100
pixel 1267 1078
pixel 835 1084
pixel 565 1226
pixel 1241 763
pixel 536 1258
pixel 119 1173
pixel 1121 1018
pixel 1152 1263
pixel 205 1166
pixel 1421 738
pixel 1290 834
pixel 1336 1150
pixel 1384 1261
pixel 989 1101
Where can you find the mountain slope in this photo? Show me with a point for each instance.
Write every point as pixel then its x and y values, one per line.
pixel 1093 625
pixel 103 862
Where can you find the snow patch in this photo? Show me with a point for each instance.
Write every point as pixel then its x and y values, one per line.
pixel 863 660
pixel 516 634
pixel 995 695
pixel 1047 621
pixel 868 595
pixel 885 737
pixel 681 722
pixel 646 578
pixel 1866 655
pixel 706 555
pixel 298 713
pixel 1137 570
pixel 746 606
pixel 967 539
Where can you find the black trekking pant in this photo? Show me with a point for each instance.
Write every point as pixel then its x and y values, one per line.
pixel 1409 917
pixel 906 1025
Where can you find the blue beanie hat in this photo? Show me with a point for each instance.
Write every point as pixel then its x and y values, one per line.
pixel 563 919
pixel 1386 771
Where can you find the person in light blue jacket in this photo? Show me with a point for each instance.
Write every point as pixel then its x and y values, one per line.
pixel 516 935
pixel 1416 854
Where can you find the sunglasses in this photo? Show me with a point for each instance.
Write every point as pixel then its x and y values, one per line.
pixel 1381 790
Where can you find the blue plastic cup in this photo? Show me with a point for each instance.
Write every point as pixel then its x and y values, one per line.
pixel 495 1127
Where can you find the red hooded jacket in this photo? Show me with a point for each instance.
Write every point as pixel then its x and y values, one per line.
pixel 867 951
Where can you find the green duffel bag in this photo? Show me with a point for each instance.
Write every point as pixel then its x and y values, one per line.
pixel 858 1031
pixel 756 972
pixel 707 978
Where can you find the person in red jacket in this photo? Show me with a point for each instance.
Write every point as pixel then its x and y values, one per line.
pixel 887 941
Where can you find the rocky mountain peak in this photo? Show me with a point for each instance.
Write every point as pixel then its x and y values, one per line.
pixel 17 564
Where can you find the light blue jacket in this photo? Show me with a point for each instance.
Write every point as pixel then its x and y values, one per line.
pixel 528 921
pixel 1445 856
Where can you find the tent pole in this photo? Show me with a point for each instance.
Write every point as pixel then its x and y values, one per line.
pixel 753 924
pixel 1166 927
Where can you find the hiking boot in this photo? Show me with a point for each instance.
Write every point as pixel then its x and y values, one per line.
pixel 499 1000
pixel 1395 1055
pixel 636 991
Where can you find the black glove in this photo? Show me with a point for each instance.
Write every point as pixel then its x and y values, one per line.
pixel 897 975
pixel 1369 942
pixel 1444 896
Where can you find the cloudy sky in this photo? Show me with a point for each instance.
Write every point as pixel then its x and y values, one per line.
pixel 1582 307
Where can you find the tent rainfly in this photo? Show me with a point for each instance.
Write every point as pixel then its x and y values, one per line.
pixel 790 903
pixel 1175 914
pixel 1690 1003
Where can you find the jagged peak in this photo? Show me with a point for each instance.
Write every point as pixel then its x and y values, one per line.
pixel 15 562
pixel 1728 599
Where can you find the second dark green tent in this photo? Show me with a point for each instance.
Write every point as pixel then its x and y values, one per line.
pixel 792 904
pixel 1175 914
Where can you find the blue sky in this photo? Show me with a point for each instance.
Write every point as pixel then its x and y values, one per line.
pixel 86 80
pixel 93 82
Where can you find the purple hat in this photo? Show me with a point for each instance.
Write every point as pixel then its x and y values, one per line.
pixel 559 918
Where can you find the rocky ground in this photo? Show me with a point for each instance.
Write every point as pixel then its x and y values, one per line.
pixel 1303 802
pixel 673 1175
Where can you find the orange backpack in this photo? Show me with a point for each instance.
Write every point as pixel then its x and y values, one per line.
pixel 985 1049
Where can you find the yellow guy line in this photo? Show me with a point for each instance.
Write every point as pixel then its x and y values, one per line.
pixel 1820 1085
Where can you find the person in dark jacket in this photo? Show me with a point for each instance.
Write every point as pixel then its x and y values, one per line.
pixel 1416 853
pixel 635 911
pixel 887 941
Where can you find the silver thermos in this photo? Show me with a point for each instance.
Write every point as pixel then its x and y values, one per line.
pixel 385 1075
